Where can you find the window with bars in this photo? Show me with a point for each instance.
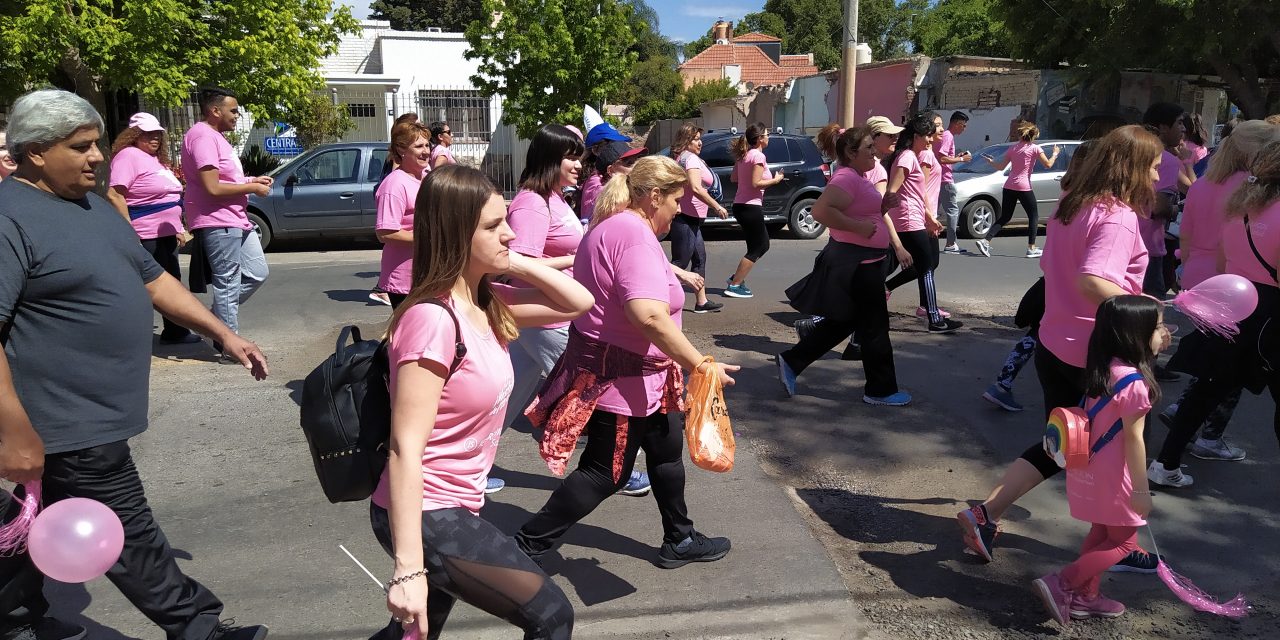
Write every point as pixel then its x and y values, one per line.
pixel 362 110
pixel 466 111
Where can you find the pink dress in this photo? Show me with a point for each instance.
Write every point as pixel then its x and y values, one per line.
pixel 1100 493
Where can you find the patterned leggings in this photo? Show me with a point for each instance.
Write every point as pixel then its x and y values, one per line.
pixel 1018 358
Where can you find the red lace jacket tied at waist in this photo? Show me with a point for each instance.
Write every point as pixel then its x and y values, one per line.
pixel 587 370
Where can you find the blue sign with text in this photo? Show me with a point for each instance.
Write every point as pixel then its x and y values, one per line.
pixel 278 146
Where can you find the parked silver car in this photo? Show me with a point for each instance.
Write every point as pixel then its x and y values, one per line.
pixel 979 187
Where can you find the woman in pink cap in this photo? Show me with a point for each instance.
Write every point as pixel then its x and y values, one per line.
pixel 149 196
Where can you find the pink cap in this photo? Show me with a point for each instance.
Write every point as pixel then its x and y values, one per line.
pixel 145 121
pixel 574 129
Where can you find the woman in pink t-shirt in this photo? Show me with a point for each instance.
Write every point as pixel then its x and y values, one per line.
pixel 441 140
pixel 148 195
pixel 846 287
pixel 688 251
pixel 449 382
pixel 395 198
pixel 907 204
pixel 1093 251
pixel 1195 144
pixel 752 175
pixel 1021 159
pixel 621 379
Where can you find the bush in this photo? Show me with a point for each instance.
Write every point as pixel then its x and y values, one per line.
pixel 258 162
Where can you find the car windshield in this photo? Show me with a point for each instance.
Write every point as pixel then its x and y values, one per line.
pixel 978 164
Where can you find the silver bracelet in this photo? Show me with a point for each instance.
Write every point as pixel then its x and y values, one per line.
pixel 405 578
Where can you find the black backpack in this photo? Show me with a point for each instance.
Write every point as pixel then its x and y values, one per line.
pixel 346 412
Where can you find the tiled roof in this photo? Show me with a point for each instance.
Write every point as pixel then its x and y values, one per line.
pixel 757 68
pixel 756 36
pixel 795 61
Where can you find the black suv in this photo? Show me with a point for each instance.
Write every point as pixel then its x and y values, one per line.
pixel 789 202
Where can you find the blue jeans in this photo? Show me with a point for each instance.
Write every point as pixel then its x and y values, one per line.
pixel 239 268
pixel 948 210
pixel 533 355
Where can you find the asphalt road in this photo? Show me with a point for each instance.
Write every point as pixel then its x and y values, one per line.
pixel 841 513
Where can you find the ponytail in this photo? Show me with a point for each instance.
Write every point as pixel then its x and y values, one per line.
pixel 624 191
pixel 615 197
pixel 747 141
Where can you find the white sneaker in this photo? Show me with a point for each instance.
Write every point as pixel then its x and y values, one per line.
pixel 1034 252
pixel 1157 474
pixel 1216 450
pixel 984 247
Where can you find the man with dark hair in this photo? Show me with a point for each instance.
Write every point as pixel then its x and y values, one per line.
pixel 215 206
pixel 945 149
pixel 1165 120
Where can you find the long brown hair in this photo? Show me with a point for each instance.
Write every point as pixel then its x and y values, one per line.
pixel 1118 168
pixel 129 137
pixel 1263 186
pixel 648 173
pixel 447 215
pixel 684 137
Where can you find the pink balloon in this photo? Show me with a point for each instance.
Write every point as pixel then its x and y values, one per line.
pixel 75 540
pixel 1230 295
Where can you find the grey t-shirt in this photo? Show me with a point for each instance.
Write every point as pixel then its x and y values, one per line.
pixel 73 294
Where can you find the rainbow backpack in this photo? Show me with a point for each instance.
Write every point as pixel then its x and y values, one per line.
pixel 1066 438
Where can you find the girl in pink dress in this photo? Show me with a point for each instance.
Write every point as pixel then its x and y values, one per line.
pixel 1127 335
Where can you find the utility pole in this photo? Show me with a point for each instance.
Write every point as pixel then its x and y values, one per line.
pixel 849 65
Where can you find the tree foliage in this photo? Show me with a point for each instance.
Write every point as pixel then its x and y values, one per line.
pixel 686 103
pixel 547 58
pixel 268 52
pixel 417 15
pixel 961 27
pixel 317 120
pixel 1238 40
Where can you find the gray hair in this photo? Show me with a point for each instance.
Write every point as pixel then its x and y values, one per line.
pixel 47 116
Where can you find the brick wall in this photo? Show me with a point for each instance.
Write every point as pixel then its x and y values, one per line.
pixel 989 90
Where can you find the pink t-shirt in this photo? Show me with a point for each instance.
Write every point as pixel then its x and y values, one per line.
pixel 544 229
pixel 1203 216
pixel 748 194
pixel 1153 230
pixel 933 183
pixel 1101 241
pixel 691 205
pixel 437 152
pixel 1022 160
pixel 945 145
pixel 205 147
pixel 1100 493
pixel 473 403
pixel 1198 153
pixel 147 182
pixel 865 207
pixel 590 191
pixel 877 174
pixel 620 260
pixel 396 197
pixel 1265 228
pixel 908 214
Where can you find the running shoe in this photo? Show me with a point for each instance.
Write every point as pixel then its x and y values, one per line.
pixel 984 247
pixel 46 629
pixel 899 399
pixel 852 351
pixel 695 548
pixel 494 485
pixel 1099 606
pixel 1157 474
pixel 1056 598
pixel 1138 561
pixel 1216 450
pixel 954 249
pixel 736 290
pixel 946 326
pixel 637 484
pixel 979 533
pixel 708 306
pixel 786 376
pixel 1001 397
pixel 1034 252
pixel 380 297
pixel 804 327
pixel 922 312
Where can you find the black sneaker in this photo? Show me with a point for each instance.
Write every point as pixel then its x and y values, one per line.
pixel 190 338
pixel 804 327
pixel 695 548
pixel 946 326
pixel 979 533
pixel 852 351
pixel 708 306
pixel 46 629
pixel 228 630
pixel 1137 562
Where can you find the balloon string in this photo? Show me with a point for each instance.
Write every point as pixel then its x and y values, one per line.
pixel 13 536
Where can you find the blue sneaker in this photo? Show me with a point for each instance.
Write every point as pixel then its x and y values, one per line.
pixel 786 376
pixel 494 485
pixel 1001 397
pixel 1138 561
pixel 637 485
pixel 736 290
pixel 899 399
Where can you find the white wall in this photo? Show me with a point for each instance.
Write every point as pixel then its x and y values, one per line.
pixel 427 60
pixel 986 126
pixel 805 111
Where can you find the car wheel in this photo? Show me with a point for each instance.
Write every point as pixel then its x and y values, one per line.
pixel 264 230
pixel 801 221
pixel 977 216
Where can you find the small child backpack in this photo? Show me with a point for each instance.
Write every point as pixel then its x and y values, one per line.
pixel 1066 437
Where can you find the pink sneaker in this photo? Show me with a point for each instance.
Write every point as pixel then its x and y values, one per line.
pixel 921 312
pixel 1099 606
pixel 1057 600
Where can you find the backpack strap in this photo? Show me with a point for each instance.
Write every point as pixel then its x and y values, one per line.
pixel 459 347
pixel 1248 233
pixel 1115 428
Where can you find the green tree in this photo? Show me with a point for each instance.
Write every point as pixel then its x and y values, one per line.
pixel 961 27
pixel 547 58
pixel 266 52
pixel 417 15
pixel 317 120
pixel 705 91
pixel 1237 40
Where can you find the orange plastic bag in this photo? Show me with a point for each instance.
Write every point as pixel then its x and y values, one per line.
pixel 706 425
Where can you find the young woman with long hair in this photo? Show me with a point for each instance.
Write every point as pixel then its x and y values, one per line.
pixel 1021 159
pixel 449 385
pixel 688 251
pixel 622 376
pixel 441 141
pixel 752 175
pixel 1093 251
pixel 395 198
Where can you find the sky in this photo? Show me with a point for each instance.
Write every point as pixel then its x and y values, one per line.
pixel 679 20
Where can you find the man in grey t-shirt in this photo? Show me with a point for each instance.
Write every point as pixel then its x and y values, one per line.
pixel 76 298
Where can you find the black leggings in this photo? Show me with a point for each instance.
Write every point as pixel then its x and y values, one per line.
pixel 688 251
pixel 751 218
pixel 1008 201
pixel 165 252
pixel 396 299
pixel 1063 386
pixel 924 260
pixel 469 559
pixel 584 489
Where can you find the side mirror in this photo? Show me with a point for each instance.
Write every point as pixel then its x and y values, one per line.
pixel 291 180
